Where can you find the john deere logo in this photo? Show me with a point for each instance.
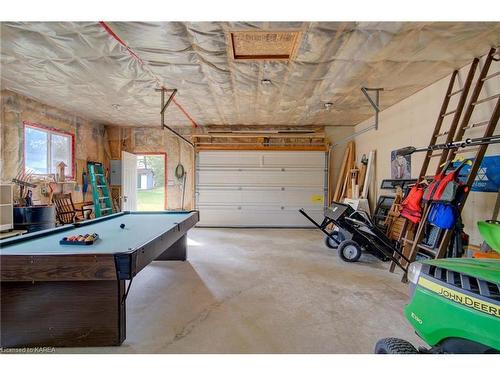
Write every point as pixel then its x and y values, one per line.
pixel 488 307
pixel 469 301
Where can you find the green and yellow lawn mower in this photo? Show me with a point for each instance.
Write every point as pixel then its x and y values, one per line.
pixel 455 304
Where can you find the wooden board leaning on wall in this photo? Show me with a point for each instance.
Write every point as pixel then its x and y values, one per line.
pixel 353 180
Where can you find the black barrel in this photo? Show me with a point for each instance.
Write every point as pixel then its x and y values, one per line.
pixel 34 218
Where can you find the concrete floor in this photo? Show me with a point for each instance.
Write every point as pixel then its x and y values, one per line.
pixel 262 291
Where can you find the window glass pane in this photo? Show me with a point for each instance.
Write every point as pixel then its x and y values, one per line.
pixel 35 150
pixel 61 152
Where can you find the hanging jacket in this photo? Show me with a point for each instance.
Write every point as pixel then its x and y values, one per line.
pixel 444 187
pixel 448 187
pixel 431 188
pixel 411 208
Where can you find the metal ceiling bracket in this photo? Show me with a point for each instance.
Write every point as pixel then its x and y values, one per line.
pixel 164 106
pixel 375 103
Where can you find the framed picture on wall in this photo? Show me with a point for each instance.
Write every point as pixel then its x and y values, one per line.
pixel 400 166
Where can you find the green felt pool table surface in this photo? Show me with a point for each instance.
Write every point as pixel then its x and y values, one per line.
pixel 140 228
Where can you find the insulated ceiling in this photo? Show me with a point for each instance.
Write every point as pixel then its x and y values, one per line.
pixel 83 68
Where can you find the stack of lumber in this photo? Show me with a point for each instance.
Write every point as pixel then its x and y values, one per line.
pixel 343 180
pixel 353 180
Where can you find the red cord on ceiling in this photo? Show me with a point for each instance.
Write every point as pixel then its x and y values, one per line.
pixel 143 63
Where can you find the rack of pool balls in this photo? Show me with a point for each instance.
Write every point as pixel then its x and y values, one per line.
pixel 82 239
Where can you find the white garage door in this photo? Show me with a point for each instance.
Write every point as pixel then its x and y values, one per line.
pixel 260 188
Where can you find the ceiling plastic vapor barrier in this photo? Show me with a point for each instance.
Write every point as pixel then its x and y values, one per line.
pixel 296 68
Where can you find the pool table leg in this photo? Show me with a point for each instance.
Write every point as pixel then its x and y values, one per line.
pixel 178 250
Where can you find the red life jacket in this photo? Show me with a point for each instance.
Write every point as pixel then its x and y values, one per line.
pixel 444 187
pixel 411 208
pixel 429 191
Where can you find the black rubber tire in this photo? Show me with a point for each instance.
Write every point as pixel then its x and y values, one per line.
pixel 393 345
pixel 349 251
pixel 338 236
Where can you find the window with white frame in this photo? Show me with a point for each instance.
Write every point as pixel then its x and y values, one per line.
pixel 45 148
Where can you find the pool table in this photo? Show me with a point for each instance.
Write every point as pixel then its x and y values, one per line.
pixel 71 295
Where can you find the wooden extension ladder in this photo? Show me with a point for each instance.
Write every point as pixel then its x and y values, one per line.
pixel 100 190
pixel 448 155
pixel 408 230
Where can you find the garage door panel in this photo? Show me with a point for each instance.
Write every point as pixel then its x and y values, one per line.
pixel 284 159
pixel 260 159
pixel 284 197
pixel 219 196
pixel 223 159
pixel 305 196
pixel 262 178
pixel 240 197
pixel 232 216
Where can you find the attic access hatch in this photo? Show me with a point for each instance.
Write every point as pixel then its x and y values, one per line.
pixel 264 45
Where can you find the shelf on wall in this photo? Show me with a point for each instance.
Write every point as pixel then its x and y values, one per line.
pixel 6 206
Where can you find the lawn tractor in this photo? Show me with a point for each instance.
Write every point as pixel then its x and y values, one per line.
pixel 454 307
pixel 455 302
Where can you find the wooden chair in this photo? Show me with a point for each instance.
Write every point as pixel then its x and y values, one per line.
pixel 65 209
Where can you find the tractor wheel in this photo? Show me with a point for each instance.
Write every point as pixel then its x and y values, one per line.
pixel 392 345
pixel 349 251
pixel 339 236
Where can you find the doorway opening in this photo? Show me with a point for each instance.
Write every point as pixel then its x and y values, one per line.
pixel 151 178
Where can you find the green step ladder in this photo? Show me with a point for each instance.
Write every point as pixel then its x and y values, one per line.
pixel 100 190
